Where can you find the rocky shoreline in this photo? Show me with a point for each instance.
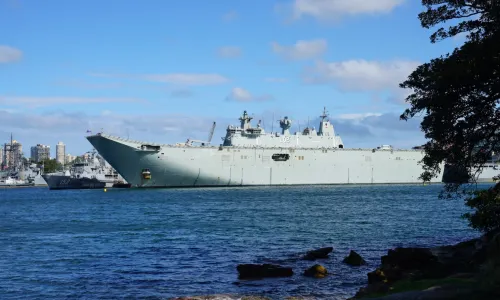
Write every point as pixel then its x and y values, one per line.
pixel 467 270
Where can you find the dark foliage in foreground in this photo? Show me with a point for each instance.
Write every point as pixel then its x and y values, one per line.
pixel 459 96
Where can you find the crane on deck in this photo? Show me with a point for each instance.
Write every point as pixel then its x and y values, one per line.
pixel 190 142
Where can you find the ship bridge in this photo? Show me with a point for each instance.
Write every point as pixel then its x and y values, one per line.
pixel 247 136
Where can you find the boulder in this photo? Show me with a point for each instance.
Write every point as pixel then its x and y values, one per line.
pixel 376 288
pixel 318 254
pixel 376 276
pixel 256 271
pixel 409 258
pixel 386 275
pixel 354 259
pixel 316 271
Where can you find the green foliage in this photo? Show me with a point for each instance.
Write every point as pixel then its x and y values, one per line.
pixel 51 166
pixel 486 205
pixel 78 160
pixel 481 17
pixel 458 93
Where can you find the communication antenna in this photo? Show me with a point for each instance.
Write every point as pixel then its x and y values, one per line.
pixel 272 124
pixel 324 115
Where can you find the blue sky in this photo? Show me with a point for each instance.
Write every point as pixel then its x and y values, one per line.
pixel 164 70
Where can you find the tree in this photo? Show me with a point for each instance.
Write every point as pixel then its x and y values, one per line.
pixel 459 93
pixel 78 160
pixel 51 166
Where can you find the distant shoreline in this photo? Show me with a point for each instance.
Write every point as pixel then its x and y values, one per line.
pixel 20 186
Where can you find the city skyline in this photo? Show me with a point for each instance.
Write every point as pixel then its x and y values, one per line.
pixel 164 71
pixel 38 152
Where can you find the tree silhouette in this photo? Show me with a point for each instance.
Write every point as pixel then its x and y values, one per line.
pixel 459 93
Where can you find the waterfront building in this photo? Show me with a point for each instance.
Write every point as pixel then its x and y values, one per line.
pixel 61 153
pixel 40 153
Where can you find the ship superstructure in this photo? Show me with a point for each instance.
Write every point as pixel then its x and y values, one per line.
pixel 250 156
pixel 247 136
pixel 92 172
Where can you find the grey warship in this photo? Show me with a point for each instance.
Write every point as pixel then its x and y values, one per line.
pixel 65 182
pixel 250 156
pixel 92 173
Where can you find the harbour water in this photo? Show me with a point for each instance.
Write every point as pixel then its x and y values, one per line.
pixel 162 243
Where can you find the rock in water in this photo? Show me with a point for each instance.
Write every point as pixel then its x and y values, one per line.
pixel 319 253
pixel 316 271
pixel 354 259
pixel 409 258
pixel 256 271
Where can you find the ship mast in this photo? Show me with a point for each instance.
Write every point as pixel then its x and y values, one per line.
pixel 13 159
pixel 324 115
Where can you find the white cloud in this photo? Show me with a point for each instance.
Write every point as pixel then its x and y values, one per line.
pixel 89 85
pixel 374 129
pixel 36 102
pixel 173 78
pixel 302 49
pixel 241 95
pixel 361 75
pixel 399 96
pixel 335 9
pixel 9 54
pixel 357 117
pixel 31 128
pixel 275 79
pixel 230 16
pixel 229 51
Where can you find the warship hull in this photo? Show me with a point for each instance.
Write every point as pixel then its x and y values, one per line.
pixel 177 166
pixel 62 182
pixel 487 174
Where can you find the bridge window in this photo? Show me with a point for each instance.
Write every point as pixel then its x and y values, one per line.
pixel 281 157
pixel 341 146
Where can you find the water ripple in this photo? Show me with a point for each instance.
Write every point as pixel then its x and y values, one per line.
pixel 157 244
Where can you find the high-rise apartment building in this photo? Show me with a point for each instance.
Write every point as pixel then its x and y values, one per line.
pixel 40 153
pixel 61 153
pixel 69 158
